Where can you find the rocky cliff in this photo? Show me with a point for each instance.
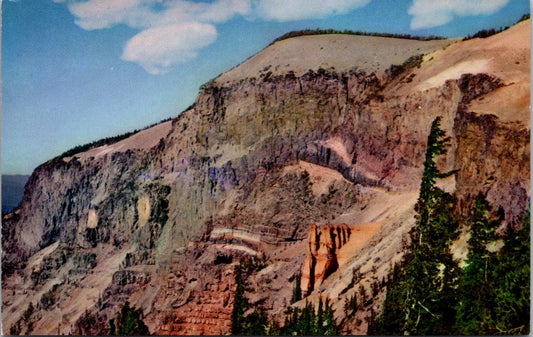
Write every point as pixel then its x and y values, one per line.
pixel 162 218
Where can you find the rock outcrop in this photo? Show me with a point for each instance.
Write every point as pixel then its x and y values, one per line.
pixel 206 310
pixel 324 242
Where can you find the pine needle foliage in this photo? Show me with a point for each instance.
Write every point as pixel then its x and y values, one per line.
pixel 512 282
pixel 254 323
pixel 427 294
pixel 495 285
pixel 129 322
pixel 420 298
pixel 308 322
pixel 476 286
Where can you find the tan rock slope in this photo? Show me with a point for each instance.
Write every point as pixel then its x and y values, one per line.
pixel 337 52
pixel 270 149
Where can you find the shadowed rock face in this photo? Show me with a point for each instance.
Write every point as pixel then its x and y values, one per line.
pixel 324 243
pixel 243 174
pixel 494 160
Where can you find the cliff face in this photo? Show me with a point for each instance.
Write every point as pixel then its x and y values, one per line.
pixel 491 165
pixel 243 174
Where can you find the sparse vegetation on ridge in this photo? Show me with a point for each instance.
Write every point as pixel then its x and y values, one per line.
pixel 412 62
pixel 317 31
pixel 105 141
pixel 484 33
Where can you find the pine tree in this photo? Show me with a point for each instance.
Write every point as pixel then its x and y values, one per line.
pixel 237 316
pixel 256 322
pixel 319 325
pixel 391 320
pixel 307 320
pixel 296 291
pixel 308 323
pixel 475 308
pixel 495 287
pixel 512 278
pixel 420 297
pixel 129 322
pixel 330 327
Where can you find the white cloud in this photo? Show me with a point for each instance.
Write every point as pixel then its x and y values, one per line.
pixel 98 14
pixel 157 49
pixel 171 31
pixel 284 10
pixel 435 13
pixel 223 10
pixel 215 12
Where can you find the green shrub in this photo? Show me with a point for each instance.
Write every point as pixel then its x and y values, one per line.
pixel 128 323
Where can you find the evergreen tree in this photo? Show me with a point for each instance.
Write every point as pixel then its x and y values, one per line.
pixel 255 323
pixel 391 320
pixel 308 323
pixel 319 325
pixel 296 291
pixel 420 297
pixel 330 327
pixel 237 316
pixel 129 322
pixel 512 278
pixel 495 287
pixel 475 309
pixel 307 320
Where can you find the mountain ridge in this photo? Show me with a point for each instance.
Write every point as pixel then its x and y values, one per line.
pixel 243 174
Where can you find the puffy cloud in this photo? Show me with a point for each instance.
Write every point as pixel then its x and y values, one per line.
pixel 283 10
pixel 157 49
pixel 428 14
pixel 223 10
pixel 172 31
pixel 98 14
pixel 214 12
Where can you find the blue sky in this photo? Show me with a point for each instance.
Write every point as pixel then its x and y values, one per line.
pixel 74 71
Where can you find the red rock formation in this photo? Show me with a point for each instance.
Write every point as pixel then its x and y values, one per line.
pixel 206 311
pixel 322 260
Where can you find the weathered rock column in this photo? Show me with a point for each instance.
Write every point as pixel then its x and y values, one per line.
pixel 321 260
